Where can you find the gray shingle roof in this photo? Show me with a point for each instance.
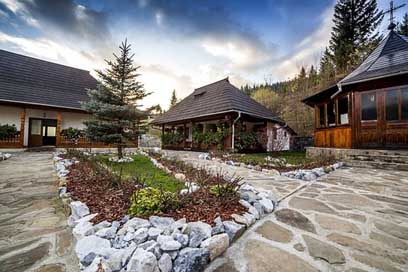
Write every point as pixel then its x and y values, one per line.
pixel 217 97
pixel 33 81
pixel 389 58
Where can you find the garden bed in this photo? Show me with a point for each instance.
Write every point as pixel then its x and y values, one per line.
pixel 194 219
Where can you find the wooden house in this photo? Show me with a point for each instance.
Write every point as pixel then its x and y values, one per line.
pixel 369 107
pixel 220 116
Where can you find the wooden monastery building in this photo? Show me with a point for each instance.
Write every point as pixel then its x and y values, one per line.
pixel 369 107
pixel 41 100
pixel 220 116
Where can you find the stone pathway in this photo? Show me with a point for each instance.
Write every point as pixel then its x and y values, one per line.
pixel 352 220
pixel 33 231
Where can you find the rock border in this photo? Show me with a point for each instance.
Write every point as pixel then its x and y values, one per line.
pixel 302 174
pixel 159 243
pixel 4 156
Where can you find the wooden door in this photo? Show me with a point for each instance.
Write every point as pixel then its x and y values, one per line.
pixel 371 125
pixel 35 133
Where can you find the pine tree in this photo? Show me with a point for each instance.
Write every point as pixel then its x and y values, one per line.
pixel 354 24
pixel 403 26
pixel 114 102
pixel 327 71
pixel 173 100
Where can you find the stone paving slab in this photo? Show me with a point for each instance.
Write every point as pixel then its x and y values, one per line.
pixel 34 235
pixel 352 220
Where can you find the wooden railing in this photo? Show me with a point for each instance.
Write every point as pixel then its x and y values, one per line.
pixel 11 141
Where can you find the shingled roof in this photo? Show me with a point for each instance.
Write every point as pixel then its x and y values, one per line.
pixel 214 98
pixel 389 58
pixel 29 80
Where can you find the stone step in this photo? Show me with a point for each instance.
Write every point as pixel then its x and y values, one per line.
pixel 377 165
pixel 380 158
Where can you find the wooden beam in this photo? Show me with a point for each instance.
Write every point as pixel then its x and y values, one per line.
pixel 22 127
pixel 59 122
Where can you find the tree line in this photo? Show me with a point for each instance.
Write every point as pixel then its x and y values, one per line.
pixel 354 35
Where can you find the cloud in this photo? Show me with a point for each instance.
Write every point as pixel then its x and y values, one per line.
pixel 52 51
pixel 308 51
pixel 19 9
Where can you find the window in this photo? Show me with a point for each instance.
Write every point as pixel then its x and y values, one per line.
pixel 35 127
pixel 331 114
pixel 404 104
pixel 369 107
pixel 391 100
pixel 51 131
pixel 322 116
pixel 343 116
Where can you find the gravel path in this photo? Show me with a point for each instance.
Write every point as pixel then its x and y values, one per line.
pixel 33 231
pixel 352 220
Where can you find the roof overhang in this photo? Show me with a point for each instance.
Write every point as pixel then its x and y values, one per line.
pixel 24 103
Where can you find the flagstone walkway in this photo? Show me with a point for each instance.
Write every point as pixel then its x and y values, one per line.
pixel 33 231
pixel 352 220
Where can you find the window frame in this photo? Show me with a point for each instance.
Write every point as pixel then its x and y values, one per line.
pixel 336 112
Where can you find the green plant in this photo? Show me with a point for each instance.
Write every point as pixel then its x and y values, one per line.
pixel 152 201
pixel 245 140
pixel 7 131
pixel 172 138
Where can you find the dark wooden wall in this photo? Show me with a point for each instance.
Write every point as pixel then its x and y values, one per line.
pixel 338 137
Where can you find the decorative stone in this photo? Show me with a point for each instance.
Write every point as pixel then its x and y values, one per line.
pixel 90 244
pixel 167 243
pixel 233 230
pixel 322 250
pixel 154 233
pixel 142 260
pixel 181 238
pixel 274 232
pixel 216 245
pixel 108 233
pixel 165 263
pixel 79 209
pixel 134 223
pixel 267 204
pixel 198 231
pixel 259 208
pixel 240 219
pixel 161 222
pixel 219 227
pixel 140 236
pixel 254 212
pixel 299 247
pixel 83 229
pixel 295 219
pixel 245 203
pixel 88 259
pixel 97 264
pixel 180 176
pixel 191 259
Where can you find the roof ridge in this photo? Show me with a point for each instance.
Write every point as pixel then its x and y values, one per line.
pixel 41 60
pixel 224 79
pixel 380 54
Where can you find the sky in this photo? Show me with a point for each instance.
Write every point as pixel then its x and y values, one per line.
pixel 178 44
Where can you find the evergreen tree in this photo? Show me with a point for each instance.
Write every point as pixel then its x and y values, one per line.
pixel 403 26
pixel 353 33
pixel 327 71
pixel 173 100
pixel 114 102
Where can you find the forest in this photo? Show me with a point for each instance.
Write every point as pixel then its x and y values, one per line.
pixel 354 35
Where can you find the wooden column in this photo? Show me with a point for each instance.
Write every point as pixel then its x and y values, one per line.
pixel 59 121
pixel 184 135
pixel 22 127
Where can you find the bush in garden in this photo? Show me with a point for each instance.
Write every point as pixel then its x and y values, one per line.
pixel 73 134
pixel 7 131
pixel 152 201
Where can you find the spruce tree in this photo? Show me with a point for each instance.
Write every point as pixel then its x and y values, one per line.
pixel 173 100
pixel 352 37
pixel 114 102
pixel 327 71
pixel 403 26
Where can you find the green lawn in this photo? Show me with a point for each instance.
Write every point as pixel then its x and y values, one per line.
pixel 292 157
pixel 142 166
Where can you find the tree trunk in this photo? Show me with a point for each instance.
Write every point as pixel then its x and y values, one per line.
pixel 120 151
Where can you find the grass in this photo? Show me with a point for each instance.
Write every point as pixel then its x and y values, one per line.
pixel 143 167
pixel 292 157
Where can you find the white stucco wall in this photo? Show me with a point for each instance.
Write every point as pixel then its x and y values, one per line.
pixel 282 141
pixel 10 115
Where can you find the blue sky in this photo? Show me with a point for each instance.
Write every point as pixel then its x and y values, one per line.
pixel 179 44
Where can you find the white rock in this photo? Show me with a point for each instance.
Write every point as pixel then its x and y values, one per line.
pixel 115 260
pixel 267 204
pixel 167 243
pixel 90 244
pixel 252 210
pixel 161 222
pixel 154 233
pixel 216 245
pixel 233 229
pixel 165 263
pixel 245 203
pixel 134 223
pixel 197 231
pixel 142 261
pixel 79 209
pixel 83 229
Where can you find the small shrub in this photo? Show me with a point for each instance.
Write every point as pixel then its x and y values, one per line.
pixel 7 131
pixel 152 201
pixel 224 190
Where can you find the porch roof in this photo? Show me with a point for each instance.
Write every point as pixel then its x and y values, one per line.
pixel 27 80
pixel 215 98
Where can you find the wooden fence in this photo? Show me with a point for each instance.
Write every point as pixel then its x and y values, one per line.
pixel 11 141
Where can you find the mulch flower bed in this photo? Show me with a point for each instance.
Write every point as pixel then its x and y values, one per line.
pixel 112 202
